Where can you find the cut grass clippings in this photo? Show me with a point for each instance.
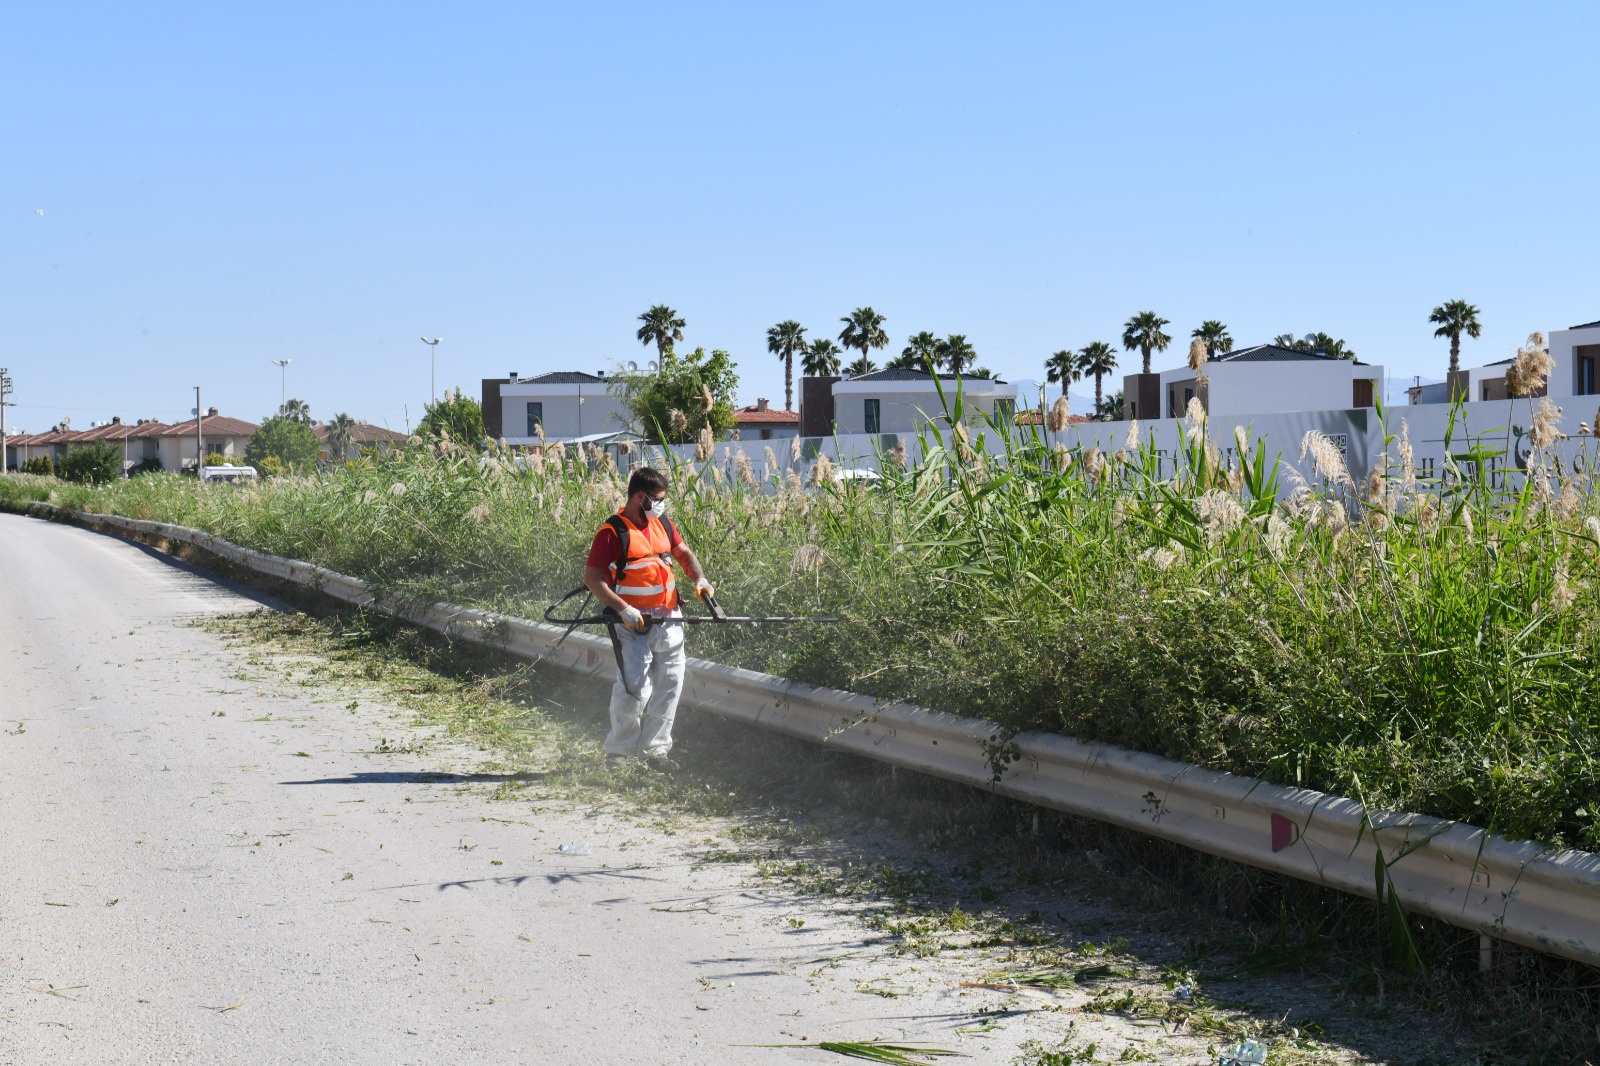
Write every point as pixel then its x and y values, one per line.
pixel 1045 977
pixel 540 733
pixel 872 1051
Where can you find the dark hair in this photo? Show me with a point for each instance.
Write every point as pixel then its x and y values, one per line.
pixel 647 480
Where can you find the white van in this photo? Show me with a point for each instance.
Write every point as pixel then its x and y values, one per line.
pixel 227 473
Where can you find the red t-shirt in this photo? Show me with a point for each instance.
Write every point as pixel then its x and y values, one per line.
pixel 607 545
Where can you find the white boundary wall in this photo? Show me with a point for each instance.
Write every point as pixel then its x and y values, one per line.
pixel 1499 425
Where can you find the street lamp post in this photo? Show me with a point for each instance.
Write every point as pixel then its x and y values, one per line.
pixel 283 382
pixel 433 350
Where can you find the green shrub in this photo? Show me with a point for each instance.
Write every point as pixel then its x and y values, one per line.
pixel 457 416
pixel 40 464
pixel 678 386
pixel 288 441
pixel 92 464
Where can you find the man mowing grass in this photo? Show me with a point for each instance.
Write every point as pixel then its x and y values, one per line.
pixel 630 573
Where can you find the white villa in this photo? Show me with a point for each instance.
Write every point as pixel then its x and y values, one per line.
pixel 1267 379
pixel 566 404
pixel 903 401
pixel 1576 352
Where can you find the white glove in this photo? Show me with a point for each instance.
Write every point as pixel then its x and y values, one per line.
pixel 702 588
pixel 633 618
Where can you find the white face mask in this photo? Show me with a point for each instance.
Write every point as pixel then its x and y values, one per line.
pixel 655 508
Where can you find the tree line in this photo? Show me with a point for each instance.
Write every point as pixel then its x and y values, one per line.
pixel 1143 332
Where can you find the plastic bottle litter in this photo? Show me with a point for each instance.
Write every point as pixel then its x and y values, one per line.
pixel 576 849
pixel 1183 991
pixel 1244 1053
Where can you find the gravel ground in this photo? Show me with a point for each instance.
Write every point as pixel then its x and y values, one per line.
pixel 203 864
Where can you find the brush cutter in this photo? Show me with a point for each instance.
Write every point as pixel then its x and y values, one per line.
pixel 610 620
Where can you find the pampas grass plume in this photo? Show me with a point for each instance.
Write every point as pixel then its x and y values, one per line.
pixel 1058 418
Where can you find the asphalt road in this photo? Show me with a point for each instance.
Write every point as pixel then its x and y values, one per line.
pixel 179 883
pixel 204 859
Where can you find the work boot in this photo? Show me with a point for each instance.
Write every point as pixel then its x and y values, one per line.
pixel 617 762
pixel 661 763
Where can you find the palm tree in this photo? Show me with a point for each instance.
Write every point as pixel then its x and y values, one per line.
pixel 1333 349
pixel 863 329
pixel 1143 331
pixel 296 410
pixel 783 340
pixel 341 430
pixel 955 352
pixel 1096 361
pixel 1215 337
pixel 1456 317
pixel 918 354
pixel 1110 409
pixel 1063 367
pixel 821 358
pixel 661 327
pixel 1316 342
pixel 862 365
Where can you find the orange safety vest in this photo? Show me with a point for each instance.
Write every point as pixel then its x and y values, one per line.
pixel 642 575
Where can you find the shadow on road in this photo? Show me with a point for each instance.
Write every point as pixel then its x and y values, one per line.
pixel 518 880
pixel 415 777
pixel 200 574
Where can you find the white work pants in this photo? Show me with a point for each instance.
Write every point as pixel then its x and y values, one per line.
pixel 653 663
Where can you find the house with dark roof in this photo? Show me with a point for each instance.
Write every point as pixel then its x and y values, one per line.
pixel 903 401
pixel 1266 379
pixel 564 404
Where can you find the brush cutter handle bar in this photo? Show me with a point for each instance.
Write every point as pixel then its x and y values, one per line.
pixel 693 619
pixel 711 604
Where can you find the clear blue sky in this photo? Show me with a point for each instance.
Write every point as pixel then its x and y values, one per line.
pixel 225 184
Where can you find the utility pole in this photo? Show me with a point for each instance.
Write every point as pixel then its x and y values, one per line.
pixel 199 436
pixel 5 401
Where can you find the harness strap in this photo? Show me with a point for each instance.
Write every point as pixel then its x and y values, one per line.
pixel 620 570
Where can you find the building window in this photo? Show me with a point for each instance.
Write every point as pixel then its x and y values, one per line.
pixel 870 416
pixel 1172 404
pixel 1586 375
pixel 1005 412
pixel 535 418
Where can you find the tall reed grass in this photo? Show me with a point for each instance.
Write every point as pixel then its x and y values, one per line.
pixel 1430 647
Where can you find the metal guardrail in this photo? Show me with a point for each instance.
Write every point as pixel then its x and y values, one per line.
pixel 1523 892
